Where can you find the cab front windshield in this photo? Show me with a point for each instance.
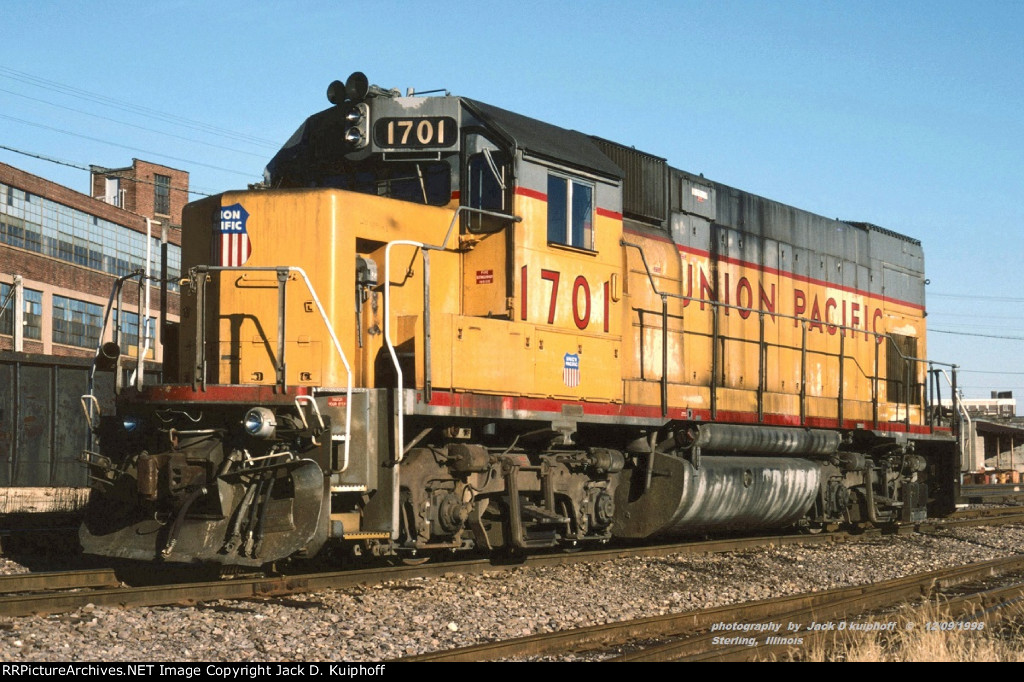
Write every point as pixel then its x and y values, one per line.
pixel 419 182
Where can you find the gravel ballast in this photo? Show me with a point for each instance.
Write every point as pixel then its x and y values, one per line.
pixel 415 616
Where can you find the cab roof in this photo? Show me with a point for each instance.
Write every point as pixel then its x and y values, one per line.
pixel 544 140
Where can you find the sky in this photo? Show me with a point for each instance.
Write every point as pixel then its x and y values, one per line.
pixel 901 113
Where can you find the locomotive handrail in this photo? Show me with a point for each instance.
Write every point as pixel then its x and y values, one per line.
pixel 964 436
pixel 93 402
pixel 201 317
pixel 115 292
pixel 400 444
pixel 399 452
pixel 665 295
pixel 400 428
pixel 299 400
pixel 804 322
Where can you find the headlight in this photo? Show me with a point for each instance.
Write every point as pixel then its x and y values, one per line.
pixel 354 137
pixel 354 116
pixel 357 126
pixel 130 422
pixel 260 422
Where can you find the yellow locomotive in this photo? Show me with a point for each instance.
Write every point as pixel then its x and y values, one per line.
pixel 440 325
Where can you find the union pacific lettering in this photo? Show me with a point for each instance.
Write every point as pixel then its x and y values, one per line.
pixel 743 295
pixel 826 313
pixel 829 308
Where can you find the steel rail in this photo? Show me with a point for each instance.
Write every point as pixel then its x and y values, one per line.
pixel 256 587
pixel 985 606
pixel 993 492
pixel 974 517
pixel 262 586
pixel 985 512
pixel 191 593
pixel 57 580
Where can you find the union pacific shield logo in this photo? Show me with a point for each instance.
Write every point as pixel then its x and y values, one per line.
pixel 571 370
pixel 233 245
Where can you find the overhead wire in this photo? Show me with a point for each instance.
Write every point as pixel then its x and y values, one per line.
pixel 986 336
pixel 135 109
pixel 123 105
pixel 128 147
pixel 979 297
pixel 133 125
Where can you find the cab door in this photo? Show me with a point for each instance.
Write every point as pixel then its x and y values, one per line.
pixel 486 240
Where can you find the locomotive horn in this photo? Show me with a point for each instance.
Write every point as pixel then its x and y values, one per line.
pixel 357 86
pixel 336 92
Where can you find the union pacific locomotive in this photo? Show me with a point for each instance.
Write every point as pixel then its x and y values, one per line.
pixel 439 326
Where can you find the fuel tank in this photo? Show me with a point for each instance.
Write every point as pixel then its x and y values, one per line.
pixel 759 440
pixel 723 493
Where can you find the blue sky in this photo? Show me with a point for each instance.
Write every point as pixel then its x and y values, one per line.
pixel 906 114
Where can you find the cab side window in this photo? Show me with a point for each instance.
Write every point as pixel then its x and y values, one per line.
pixel 570 212
pixel 487 184
pixel 485 188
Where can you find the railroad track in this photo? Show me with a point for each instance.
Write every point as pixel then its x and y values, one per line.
pixel 992 516
pixel 47 593
pixel 58 580
pixel 987 512
pixel 995 492
pixel 742 631
pixel 42 593
pixel 43 599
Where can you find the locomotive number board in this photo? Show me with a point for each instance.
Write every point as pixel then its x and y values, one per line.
pixel 426 132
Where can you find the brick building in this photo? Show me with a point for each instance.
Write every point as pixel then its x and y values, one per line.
pixel 61 252
pixel 144 188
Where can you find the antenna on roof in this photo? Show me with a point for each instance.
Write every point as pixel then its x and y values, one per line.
pixel 410 92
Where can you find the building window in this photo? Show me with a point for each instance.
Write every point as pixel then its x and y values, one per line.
pixel 12 231
pixel 59 231
pixel 33 328
pixel 130 332
pixel 33 314
pixel 76 323
pixel 129 329
pixel 6 310
pixel 112 191
pixel 162 194
pixel 570 212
